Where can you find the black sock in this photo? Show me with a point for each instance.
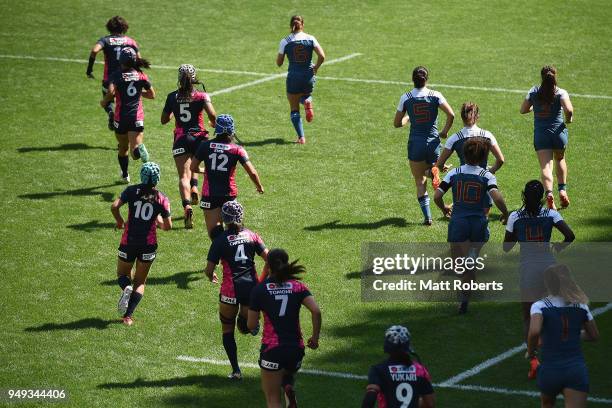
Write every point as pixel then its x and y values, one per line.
pixel 136 153
pixel 186 202
pixel 193 182
pixel 134 300
pixel 124 281
pixel 124 162
pixel 229 343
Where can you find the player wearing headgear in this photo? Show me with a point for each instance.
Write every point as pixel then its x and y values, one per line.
pixel 301 76
pixel 419 107
pixel 531 226
pixel 549 104
pixel 468 224
pixel 187 105
pixel 399 382
pixel 127 86
pixel 280 298
pixel 220 156
pixel 235 248
pixel 111 45
pixel 148 209
pixel 559 322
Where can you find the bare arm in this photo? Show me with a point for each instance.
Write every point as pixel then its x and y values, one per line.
pixel 250 169
pixel 165 117
pixel 209 271
pixel 499 158
pixel 311 305
pixel 252 319
pixel 148 93
pixel 533 336
pixel 280 58
pixel 590 332
pixel 401 119
pixel 509 241
pixel 320 58
pixel 498 199
pixel 166 224
pixel 210 112
pixel 446 153
pixel 116 213
pixel 110 95
pixel 568 235
pixel 266 269
pixel 526 106
pixel 450 117
pixel 369 399
pixel 568 109
pixel 439 200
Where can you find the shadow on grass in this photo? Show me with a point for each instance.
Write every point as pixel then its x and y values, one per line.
pixel 80 192
pixel 89 323
pixel 91 226
pixel 386 222
pixel 63 147
pixel 181 279
pixel 271 141
pixel 603 223
pixel 206 381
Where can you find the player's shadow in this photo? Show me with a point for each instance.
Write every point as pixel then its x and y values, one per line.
pixel 91 226
pixel 180 279
pixel 603 225
pixel 80 192
pixel 63 147
pixel 395 222
pixel 353 275
pixel 272 141
pixel 88 323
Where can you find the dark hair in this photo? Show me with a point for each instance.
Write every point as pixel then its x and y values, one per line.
pixel 559 282
pixel 296 23
pixel 186 88
pixel 404 357
pixel 280 268
pixel 224 138
pixel 234 228
pixel 470 113
pixel 420 75
pixel 138 65
pixel 533 195
pixel 546 93
pixel 117 25
pixel 475 150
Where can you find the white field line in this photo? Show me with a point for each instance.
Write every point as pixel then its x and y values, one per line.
pixel 503 356
pixel 507 391
pixel 360 80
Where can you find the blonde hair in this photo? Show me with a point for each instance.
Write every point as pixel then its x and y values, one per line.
pixel 559 282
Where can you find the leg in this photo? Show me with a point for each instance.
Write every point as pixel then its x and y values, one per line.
pixel 271 382
pixel 140 278
pixel 561 171
pixel 109 108
pixel 137 147
pixel 124 273
pixel 548 401
pixel 214 222
pixel 122 154
pixel 418 170
pixel 296 120
pixel 182 166
pixel 574 398
pixel 227 315
pixel 545 157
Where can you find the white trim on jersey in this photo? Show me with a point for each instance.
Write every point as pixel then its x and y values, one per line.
pixel 544 212
pixel 557 301
pixel 419 93
pixel 466 132
pixel 296 37
pixel 475 170
pixel 558 91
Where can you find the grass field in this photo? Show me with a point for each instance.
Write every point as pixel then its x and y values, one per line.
pixel 350 184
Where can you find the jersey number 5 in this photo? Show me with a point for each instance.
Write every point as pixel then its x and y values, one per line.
pixel 421 112
pixel 185 114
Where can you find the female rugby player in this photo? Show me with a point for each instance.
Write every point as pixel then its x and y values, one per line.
pixel 280 298
pixel 127 86
pixel 549 104
pixel 220 156
pixel 559 322
pixel 420 108
pixel 399 382
pixel 235 248
pixel 301 76
pixel 111 45
pixel 148 209
pixel 531 225
pixel 187 105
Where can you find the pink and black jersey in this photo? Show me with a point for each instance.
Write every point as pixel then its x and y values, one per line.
pixel 237 255
pixel 401 385
pixel 144 207
pixel 220 161
pixel 280 304
pixel 112 46
pixel 188 113
pixel 128 91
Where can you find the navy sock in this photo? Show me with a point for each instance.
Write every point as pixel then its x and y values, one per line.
pixel 134 300
pixel 136 153
pixel 124 162
pixel 297 123
pixel 229 344
pixel 124 281
pixel 561 186
pixel 193 182
pixel 186 202
pixel 424 203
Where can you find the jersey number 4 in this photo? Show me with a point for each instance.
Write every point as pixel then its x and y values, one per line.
pixel 240 255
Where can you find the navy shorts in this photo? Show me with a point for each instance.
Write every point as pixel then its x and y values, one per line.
pixel 552 380
pixel 212 202
pixel 422 150
pixel 281 357
pixel 188 143
pixel 551 139
pixel 239 294
pixel 128 125
pixel 144 253
pixel 474 228
pixel 300 82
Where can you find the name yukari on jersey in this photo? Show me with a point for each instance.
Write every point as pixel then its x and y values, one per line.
pixel 402 373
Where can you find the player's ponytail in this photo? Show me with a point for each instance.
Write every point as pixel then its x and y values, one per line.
pixel 420 75
pixel 142 63
pixel 533 196
pixel 296 23
pixel 470 113
pixel 559 282
pixel 546 93
pixel 281 269
pixel 185 88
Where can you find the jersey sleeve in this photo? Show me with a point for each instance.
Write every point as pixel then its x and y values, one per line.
pixel 169 103
pixel 146 84
pixel 259 244
pixel 511 220
pixel 424 386
pixel 101 41
pixel 536 308
pixel 303 291
pixel 315 43
pixel 135 46
pixel 243 157
pixel 125 195
pixel 214 252
pixel 441 98
pixel 282 45
pixel 491 138
pixel 374 377
pixel 589 315
pixel 450 142
pixel 254 302
pixel 556 216
pixel 531 92
pixel 201 152
pixel 447 181
pixel 491 181
pixel 402 101
pixel 563 94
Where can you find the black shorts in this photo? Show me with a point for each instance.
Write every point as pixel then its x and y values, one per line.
pixel 128 125
pixel 144 253
pixel 188 143
pixel 210 203
pixel 236 293
pixel 281 357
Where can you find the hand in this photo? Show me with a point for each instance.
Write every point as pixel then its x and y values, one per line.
pixel 119 225
pixel 448 210
pixel 446 167
pixel 90 75
pixel 443 135
pixel 260 189
pixel 103 103
pixel 504 219
pixel 313 343
pixel 213 278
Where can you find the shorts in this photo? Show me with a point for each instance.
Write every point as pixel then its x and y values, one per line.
pixel 421 150
pixel 238 293
pixel 281 357
pixel 551 139
pixel 188 143
pixel 212 202
pixel 474 228
pixel 144 253
pixel 552 380
pixel 300 82
pixel 128 125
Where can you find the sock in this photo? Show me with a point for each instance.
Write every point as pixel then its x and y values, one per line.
pixel 424 203
pixel 124 162
pixel 548 192
pixel 229 344
pixel 562 186
pixel 186 202
pixel 136 153
pixel 297 123
pixel 124 281
pixel 193 182
pixel 134 300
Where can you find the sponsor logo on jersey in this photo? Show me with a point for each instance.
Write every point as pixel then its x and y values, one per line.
pixel 180 150
pixel 148 257
pixel 220 146
pixel 117 41
pixel 139 123
pixel 229 300
pixel 130 76
pixel 242 238
pixel 268 364
pixel 285 288
pixel 204 204
pixel 402 373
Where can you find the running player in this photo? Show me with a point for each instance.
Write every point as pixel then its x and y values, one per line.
pixel 468 228
pixel 111 45
pixel 235 248
pixel 549 104
pixel 220 157
pixel 301 77
pixel 127 86
pixel 148 209
pixel 280 298
pixel 532 225
pixel 399 382
pixel 420 108
pixel 559 322
pixel 187 105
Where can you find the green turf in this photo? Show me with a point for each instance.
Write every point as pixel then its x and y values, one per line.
pixel 350 184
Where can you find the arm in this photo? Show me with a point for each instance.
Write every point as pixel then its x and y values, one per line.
pixel 568 109
pixel 568 235
pixel 252 319
pixel 427 401
pixel 446 153
pixel 148 93
pixel 439 200
pixel 401 119
pixel 590 332
pixel 526 106
pixel 110 95
pixel 533 336
pixel 499 158
pixel 311 305
pixel 92 59
pixel 210 112
pixel 498 199
pixel 450 117
pixel 266 269
pixel 165 117
pixel 115 211
pixel 250 169
pixel 509 241
pixel 164 223
pixel 320 58
pixel 280 58
pixel 369 399
pixel 209 271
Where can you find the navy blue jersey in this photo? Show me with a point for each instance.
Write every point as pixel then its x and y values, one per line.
pixel 456 141
pixel 527 228
pixel 220 161
pixel 187 112
pixel 470 185
pixel 112 46
pixel 547 117
pixel 421 105
pixel 237 255
pixel 280 304
pixel 128 91
pixel 144 207
pixel 299 48
pixel 401 385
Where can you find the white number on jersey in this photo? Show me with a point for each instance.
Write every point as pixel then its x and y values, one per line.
pixel 240 256
pixel 283 309
pixel 131 89
pixel 118 52
pixel 144 212
pixel 185 115
pixel 403 393
pixel 222 161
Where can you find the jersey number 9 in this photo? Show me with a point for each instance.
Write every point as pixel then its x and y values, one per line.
pixel 404 393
